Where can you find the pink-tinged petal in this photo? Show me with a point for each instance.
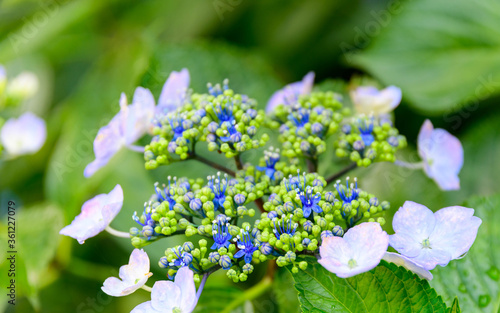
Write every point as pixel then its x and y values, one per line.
pixel 307 83
pixel 139 115
pixel 145 307
pixel 456 230
pixel 446 180
pixel 97 213
pixel 415 220
pixel 442 154
pixel 106 144
pixel 406 244
pixel 429 258
pixel 133 275
pixel 114 202
pixel 369 100
pixel 185 281
pixel 165 295
pixel 174 91
pixel 424 139
pixel 25 135
pixel 335 255
pixel 113 287
pixel 369 243
pixel 444 157
pixel 290 93
pixel 408 264
pixel 139 261
pixel 359 251
pixel 391 95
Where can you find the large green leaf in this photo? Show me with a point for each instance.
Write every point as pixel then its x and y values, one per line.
pixel 387 288
pixel 475 279
pixel 441 53
pixel 216 299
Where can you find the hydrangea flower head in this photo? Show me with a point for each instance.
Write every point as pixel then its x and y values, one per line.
pixel 291 92
pixel 359 251
pixel 132 276
pixel 126 127
pixel 174 91
pixel 370 100
pixel 97 213
pixel 25 135
pixel 168 296
pixel 442 154
pixel 428 239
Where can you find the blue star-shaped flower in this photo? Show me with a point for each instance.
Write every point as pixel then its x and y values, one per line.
pixel 310 202
pixel 246 246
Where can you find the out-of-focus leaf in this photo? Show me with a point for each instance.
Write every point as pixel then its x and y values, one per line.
pixel 441 54
pixel 216 299
pixel 38 238
pixel 386 288
pixel 34 245
pixel 213 62
pixel 284 292
pixel 475 279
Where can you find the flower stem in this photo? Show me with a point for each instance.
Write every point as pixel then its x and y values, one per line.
pixel 136 148
pixel 117 233
pixel 250 294
pixel 260 204
pixel 312 165
pixel 202 284
pixel 413 166
pixel 147 288
pixel 213 164
pixel 343 171
pixel 237 159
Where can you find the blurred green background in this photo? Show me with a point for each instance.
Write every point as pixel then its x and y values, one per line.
pixel 445 55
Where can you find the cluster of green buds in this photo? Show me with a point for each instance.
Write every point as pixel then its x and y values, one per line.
pixel 175 136
pixel 271 168
pixel 297 210
pixel 301 213
pixel 227 121
pixel 369 139
pixel 231 122
pixel 163 213
pixel 306 124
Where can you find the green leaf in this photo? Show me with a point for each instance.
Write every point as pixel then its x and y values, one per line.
pixel 36 241
pixel 38 238
pixel 441 53
pixel 455 308
pixel 475 279
pixel 386 288
pixel 284 293
pixel 216 299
